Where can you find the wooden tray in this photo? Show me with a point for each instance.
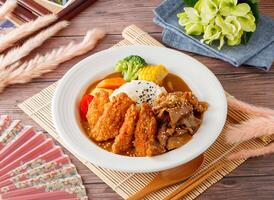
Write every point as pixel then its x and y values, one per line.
pixel 38 108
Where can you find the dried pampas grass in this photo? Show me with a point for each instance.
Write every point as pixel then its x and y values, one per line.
pixel 41 64
pixel 25 30
pixel 252 128
pixel 7 8
pixel 244 154
pixel 17 53
pixel 248 108
pixel 262 124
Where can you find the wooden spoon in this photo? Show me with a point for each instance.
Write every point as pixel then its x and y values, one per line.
pixel 170 177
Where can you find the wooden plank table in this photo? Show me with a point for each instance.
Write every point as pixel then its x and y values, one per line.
pixel 253 180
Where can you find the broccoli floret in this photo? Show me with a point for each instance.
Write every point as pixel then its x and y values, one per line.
pixel 130 66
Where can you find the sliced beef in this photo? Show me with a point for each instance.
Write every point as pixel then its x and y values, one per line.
pixel 164 133
pixel 179 114
pixel 190 122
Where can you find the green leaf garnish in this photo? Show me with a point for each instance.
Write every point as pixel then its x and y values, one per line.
pixel 226 21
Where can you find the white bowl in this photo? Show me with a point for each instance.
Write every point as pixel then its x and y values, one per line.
pixel 199 78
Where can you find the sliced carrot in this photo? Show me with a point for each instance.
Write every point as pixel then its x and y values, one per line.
pixel 111 83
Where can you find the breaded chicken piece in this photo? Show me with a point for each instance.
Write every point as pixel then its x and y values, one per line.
pixel 124 140
pixel 145 133
pixel 110 122
pixel 96 107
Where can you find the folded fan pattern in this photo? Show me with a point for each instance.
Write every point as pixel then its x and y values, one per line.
pixel 33 167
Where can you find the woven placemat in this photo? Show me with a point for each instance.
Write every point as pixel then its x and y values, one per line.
pixel 38 108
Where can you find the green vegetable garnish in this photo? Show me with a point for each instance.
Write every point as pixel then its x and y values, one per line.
pixel 130 66
pixel 225 21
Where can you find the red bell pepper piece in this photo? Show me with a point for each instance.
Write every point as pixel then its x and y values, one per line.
pixel 84 103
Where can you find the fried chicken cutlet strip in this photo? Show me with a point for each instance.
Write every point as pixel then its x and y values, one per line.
pixel 96 107
pixel 145 133
pixel 110 122
pixel 124 140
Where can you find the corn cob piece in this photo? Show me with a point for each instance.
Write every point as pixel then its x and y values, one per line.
pixel 154 73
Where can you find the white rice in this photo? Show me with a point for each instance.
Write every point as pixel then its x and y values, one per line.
pixel 140 91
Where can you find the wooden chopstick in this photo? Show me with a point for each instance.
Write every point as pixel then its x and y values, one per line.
pixel 34 7
pixel 73 9
pixel 193 183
